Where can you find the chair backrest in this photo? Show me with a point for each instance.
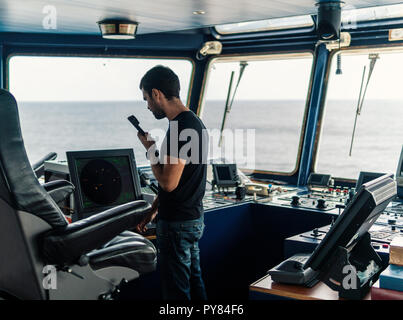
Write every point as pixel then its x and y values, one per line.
pixel 19 185
pixel 20 269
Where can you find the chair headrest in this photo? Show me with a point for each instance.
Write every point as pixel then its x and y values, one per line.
pixel 22 184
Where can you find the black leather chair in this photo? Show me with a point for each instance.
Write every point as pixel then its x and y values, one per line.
pixel 59 190
pixel 39 166
pixel 87 259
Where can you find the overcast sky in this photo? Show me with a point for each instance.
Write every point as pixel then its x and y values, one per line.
pixel 103 79
pixel 85 79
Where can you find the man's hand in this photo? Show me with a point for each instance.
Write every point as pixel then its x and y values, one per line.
pixel 141 227
pixel 146 140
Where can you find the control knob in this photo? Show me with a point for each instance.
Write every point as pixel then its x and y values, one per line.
pixel 295 201
pixel 321 204
pixel 392 221
pixel 315 232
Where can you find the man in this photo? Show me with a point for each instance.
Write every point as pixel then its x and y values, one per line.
pixel 180 169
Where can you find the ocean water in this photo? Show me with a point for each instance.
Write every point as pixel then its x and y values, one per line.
pixel 276 126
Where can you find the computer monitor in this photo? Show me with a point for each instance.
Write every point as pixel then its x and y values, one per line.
pixel 319 180
pixel 366 176
pixel 225 175
pixel 357 218
pixel 103 179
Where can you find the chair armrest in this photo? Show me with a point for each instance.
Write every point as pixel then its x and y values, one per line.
pixel 39 166
pixel 66 246
pixel 59 190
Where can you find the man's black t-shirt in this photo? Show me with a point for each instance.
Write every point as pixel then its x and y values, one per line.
pixel 186 139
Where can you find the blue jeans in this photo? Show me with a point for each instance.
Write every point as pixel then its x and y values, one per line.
pixel 179 259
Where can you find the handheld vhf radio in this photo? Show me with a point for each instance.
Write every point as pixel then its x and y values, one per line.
pixel 133 120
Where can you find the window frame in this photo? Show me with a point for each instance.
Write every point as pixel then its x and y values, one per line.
pixel 333 54
pixel 266 56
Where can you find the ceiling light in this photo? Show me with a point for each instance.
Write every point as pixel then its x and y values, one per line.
pixel 118 29
pixel 199 12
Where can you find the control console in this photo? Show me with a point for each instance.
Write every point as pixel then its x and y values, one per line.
pixel 323 199
pixel 386 227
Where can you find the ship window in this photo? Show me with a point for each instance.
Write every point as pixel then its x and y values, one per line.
pixel 377 138
pixel 263 125
pixel 82 103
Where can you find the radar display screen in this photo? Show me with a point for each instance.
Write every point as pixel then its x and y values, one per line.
pixel 105 181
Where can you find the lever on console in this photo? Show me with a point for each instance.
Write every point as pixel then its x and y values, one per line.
pixel 295 201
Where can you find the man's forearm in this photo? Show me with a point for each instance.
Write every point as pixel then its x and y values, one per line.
pixel 156 166
pixel 167 173
pixel 157 170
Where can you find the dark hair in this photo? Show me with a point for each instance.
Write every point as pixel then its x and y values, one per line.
pixel 163 79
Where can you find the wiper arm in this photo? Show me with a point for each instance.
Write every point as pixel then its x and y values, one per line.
pixel 228 104
pixel 373 58
pixel 227 107
pixel 358 111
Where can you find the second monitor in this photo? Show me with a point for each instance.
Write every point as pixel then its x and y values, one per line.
pixel 365 177
pixel 347 246
pixel 225 175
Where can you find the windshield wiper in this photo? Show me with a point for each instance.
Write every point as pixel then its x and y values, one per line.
pixel 373 57
pixel 228 103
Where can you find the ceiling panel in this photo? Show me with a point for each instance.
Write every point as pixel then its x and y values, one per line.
pixel 80 16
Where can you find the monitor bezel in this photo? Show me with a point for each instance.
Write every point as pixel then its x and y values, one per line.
pixel 346 223
pixel 366 173
pixel 72 156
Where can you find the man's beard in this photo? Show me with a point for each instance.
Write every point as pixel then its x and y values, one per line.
pixel 159 114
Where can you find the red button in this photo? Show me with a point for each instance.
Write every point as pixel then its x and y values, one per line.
pixel 385 246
